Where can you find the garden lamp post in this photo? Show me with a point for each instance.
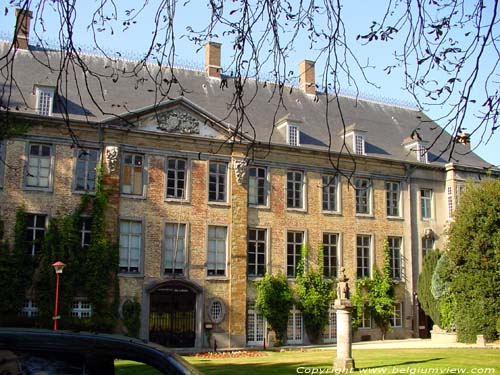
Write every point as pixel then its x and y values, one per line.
pixel 58 267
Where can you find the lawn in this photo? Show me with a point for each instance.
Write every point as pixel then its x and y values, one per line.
pixel 383 361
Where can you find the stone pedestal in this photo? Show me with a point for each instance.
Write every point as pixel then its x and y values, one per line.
pixel 344 358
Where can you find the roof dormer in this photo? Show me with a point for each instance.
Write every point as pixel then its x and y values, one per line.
pixel 418 148
pixel 290 129
pixel 44 99
pixel 355 138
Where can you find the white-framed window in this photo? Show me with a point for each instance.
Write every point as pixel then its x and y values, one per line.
pixel 174 247
pixel 29 308
pixel 176 175
pixel 39 168
pixel 294 242
pixel 85 231
pixel 393 198
pixel 359 144
pixel 422 153
pixel 35 232
pixel 427 245
pixel 330 331
pixel 363 255
pixel 366 319
pixel 217 248
pixel 426 203
pixel 295 189
pixel 255 325
pixel 330 191
pixel 130 246
pixel 256 252
pixel 216 310
pixel 330 255
pixel 45 100
pixel 258 190
pixel 2 162
pixel 81 308
pixel 217 182
pixel 85 171
pixel 397 317
pixel 293 135
pixel 363 196
pixel 395 256
pixel 133 174
pixel 294 329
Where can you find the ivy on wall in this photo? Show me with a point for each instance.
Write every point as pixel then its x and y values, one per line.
pixel 90 272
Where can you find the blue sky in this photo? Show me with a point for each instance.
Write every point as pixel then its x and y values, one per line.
pixel 357 16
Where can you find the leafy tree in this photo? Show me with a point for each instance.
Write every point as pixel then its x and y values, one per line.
pixel 315 294
pixel 274 301
pixel 440 289
pixel 381 297
pixel 424 284
pixel 474 250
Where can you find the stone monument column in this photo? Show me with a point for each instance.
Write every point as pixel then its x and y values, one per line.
pixel 343 306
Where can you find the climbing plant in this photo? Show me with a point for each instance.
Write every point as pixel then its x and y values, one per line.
pixel 131 316
pixel 315 294
pixel 274 301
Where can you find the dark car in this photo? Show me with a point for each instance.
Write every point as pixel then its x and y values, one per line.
pixel 33 351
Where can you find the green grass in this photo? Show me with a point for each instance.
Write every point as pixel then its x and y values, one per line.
pixel 389 361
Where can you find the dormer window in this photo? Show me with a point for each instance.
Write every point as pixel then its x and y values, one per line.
pixel 44 100
pixel 418 149
pixel 293 135
pixel 290 129
pixel 421 153
pixel 359 144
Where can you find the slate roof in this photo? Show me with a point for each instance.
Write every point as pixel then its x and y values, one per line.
pixel 128 88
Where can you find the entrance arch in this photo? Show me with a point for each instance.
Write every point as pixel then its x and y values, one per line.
pixel 173 314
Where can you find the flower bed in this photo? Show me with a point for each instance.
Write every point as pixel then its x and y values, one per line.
pixel 231 354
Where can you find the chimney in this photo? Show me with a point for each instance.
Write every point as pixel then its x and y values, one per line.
pixel 212 59
pixel 464 139
pixel 307 78
pixel 22 32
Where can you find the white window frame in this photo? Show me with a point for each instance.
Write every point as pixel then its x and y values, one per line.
pixel 366 260
pixel 396 257
pixel 449 201
pixel 422 153
pixel 32 231
pixel 39 166
pixel 256 242
pixel 293 135
pixel 125 267
pixel 44 100
pixel 81 308
pixel 29 308
pixel 393 198
pixel 85 231
pixel 179 245
pixel 330 331
pixel 426 203
pixel 130 192
pixel 221 179
pixel 297 257
pixel 215 266
pixel 255 183
pixel 87 169
pixel 330 182
pixel 295 327
pixel 358 144
pixel 362 192
pixel 397 316
pixel 256 325
pixel 426 250
pixel 366 319
pixel 175 170
pixel 327 249
pixel 297 192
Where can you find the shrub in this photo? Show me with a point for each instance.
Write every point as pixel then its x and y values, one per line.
pixel 424 283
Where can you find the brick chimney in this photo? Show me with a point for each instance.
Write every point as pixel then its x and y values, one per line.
pixel 212 59
pixel 307 78
pixel 464 139
pixel 22 31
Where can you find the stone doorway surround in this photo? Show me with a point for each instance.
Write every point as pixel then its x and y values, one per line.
pixel 154 285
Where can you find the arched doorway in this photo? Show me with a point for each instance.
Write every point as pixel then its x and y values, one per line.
pixel 172 315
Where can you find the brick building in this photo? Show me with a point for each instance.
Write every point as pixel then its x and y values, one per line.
pixel 204 203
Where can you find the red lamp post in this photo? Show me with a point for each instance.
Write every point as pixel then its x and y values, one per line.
pixel 58 267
